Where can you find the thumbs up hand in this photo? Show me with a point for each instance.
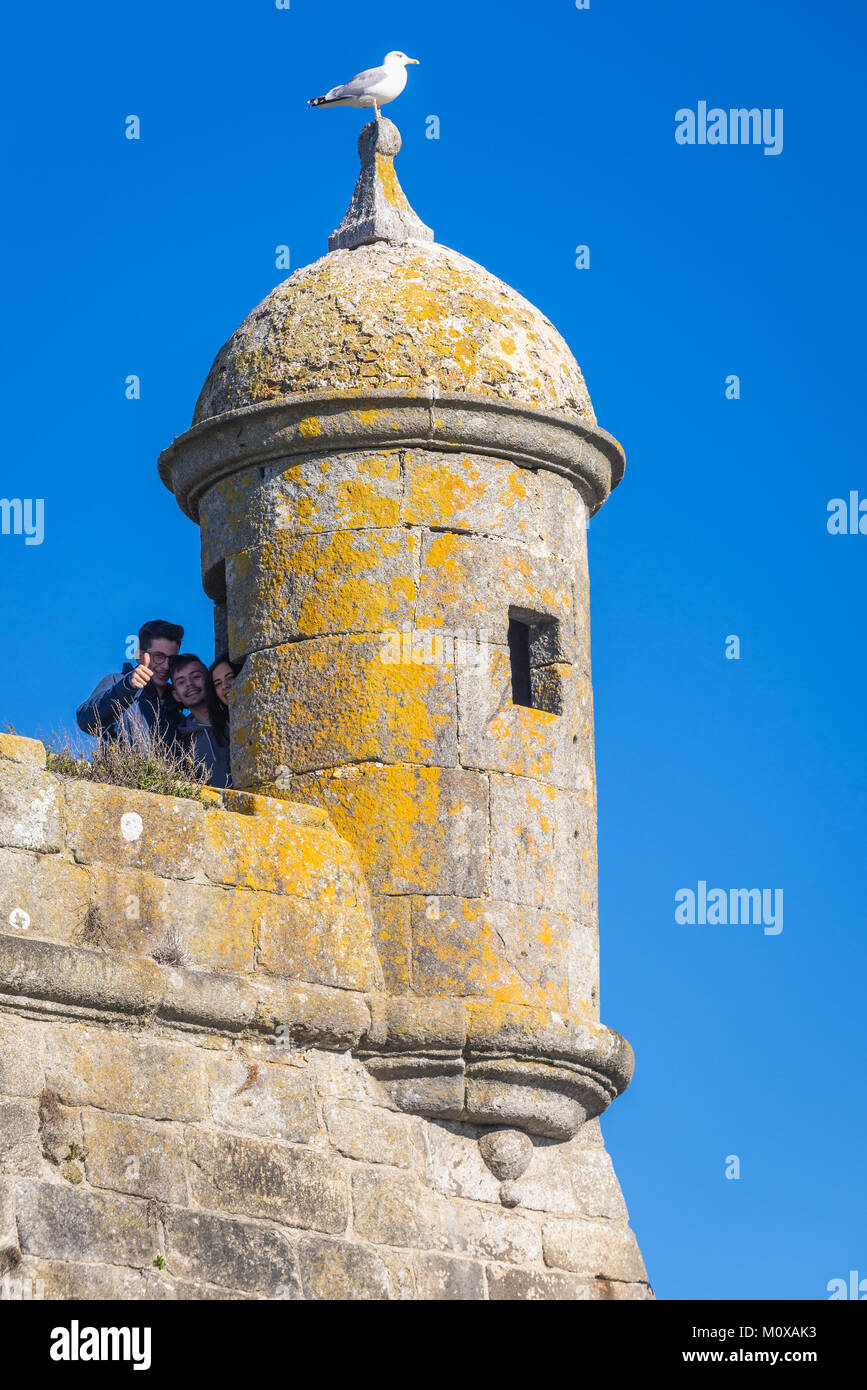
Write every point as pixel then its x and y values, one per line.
pixel 142 673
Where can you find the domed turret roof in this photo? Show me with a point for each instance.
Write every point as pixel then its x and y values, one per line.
pixel 390 308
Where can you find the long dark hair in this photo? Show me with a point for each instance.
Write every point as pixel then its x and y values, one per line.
pixel 216 712
pixel 220 716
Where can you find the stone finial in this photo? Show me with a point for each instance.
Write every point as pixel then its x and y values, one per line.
pixel 379 210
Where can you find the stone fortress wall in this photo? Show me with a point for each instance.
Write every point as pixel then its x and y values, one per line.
pixel 336 1034
pixel 209 1124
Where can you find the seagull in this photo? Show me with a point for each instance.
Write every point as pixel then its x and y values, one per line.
pixel 375 87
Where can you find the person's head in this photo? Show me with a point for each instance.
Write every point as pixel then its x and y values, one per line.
pixel 162 642
pixel 223 672
pixel 190 682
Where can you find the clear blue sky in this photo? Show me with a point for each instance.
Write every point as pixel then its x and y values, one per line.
pixel 557 129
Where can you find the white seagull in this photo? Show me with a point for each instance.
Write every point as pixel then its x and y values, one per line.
pixel 375 87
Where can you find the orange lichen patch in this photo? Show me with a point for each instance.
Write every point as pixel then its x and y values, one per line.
pixel 22 750
pixel 415 829
pixel 394 194
pixel 331 700
pixel 503 952
pixel 327 581
pixel 472 581
pixel 441 490
pixel 363 490
pixel 382 316
pixel 310 427
pixel 393 938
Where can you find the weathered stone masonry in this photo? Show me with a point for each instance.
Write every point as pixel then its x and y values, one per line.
pixel 337 1035
pixel 213 1113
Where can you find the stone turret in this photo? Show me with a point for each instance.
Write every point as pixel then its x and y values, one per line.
pixel 392 462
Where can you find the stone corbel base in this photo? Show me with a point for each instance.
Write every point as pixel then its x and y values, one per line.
pixel 490 1064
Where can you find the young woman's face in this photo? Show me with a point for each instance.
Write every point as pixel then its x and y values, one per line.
pixel 223 676
pixel 189 685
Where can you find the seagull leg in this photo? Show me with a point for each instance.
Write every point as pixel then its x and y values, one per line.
pixel 376 107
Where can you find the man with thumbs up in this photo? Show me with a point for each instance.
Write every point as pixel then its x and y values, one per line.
pixel 133 703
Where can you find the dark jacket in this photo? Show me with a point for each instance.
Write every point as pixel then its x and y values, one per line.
pixel 201 741
pixel 117 710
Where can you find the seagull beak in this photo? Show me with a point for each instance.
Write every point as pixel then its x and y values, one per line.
pixel 413 60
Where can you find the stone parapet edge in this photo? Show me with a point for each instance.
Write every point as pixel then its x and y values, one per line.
pixel 473 1060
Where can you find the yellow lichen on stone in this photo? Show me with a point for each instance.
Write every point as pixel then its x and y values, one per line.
pixel 385 316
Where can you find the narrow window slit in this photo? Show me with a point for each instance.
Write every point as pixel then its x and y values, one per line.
pixel 537 660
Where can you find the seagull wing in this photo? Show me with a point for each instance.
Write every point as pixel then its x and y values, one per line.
pixel 360 84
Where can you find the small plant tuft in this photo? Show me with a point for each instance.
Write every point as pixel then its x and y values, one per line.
pixel 171 950
pixel 159 1262
pixel 160 767
pixel 93 931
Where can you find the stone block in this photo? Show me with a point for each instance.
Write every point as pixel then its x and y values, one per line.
pixel 269 1101
pixel 30 808
pixel 430 1086
pixel 629 1293
pixel 413 1024
pixel 8 1227
pixel 325 943
pixel 60 1135
pixel 125 1072
pixel 336 1271
pixel 274 852
pixel 61 1282
pixel 594 1182
pixel 554 747
pixel 370 1133
pixel 208 999
pixel 140 912
pixel 473 493
pixel 340 1076
pixel 130 829
pixel 401 1274
pixel 233 1254
pixel 392 1209
pixel 21 1067
pixel 454 1163
pixel 311 1014
pixel 253 1177
pixel 233 514
pixel 472 582
pixel 392 935
pixel 20 1150
pixel 42 895
pixel 35 969
pixel 27 751
pixel 340 492
pixel 439 1278
pixel 595 1248
pixel 514 953
pixel 416 829
pixel 339 581
pixel 67 1223
pixel 526 1285
pixel 546 1184
pixel 543 846
pixel 134 1156
pixel 326 701
pixel 492 497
